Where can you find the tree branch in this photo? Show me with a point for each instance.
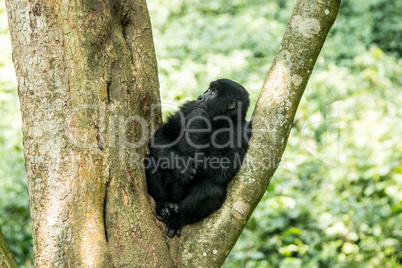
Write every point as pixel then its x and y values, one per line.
pixel 208 242
pixel 6 257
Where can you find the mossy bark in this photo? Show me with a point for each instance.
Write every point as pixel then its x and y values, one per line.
pixel 87 80
pixel 6 257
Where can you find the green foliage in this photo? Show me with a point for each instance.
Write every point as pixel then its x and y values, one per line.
pixel 200 41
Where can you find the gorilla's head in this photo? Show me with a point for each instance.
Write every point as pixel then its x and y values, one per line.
pixel 224 97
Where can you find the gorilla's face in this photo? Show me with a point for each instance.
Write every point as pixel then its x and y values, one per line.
pixel 207 99
pixel 224 97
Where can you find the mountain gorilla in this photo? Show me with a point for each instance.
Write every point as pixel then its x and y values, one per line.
pixel 196 153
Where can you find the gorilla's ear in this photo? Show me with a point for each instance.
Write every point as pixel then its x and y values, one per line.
pixel 232 105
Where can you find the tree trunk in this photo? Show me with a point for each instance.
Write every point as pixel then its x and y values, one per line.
pixel 6 258
pixel 89 94
pixel 86 70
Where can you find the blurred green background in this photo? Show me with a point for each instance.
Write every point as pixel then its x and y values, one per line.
pixel 335 201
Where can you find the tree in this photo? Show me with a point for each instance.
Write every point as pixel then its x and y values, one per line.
pixel 89 98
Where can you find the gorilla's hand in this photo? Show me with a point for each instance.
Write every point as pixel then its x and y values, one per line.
pixel 173 225
pixel 165 209
pixel 185 169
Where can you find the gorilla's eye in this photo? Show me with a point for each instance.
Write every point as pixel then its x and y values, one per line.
pixel 213 91
pixel 232 105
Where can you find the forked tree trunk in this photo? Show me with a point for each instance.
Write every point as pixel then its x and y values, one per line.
pixel 87 82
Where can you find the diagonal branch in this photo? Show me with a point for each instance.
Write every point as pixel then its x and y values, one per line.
pixel 208 243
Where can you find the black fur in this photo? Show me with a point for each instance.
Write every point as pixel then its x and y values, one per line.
pixel 196 153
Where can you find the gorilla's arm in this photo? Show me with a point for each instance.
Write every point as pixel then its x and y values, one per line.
pixel 169 133
pixel 223 166
pixel 165 144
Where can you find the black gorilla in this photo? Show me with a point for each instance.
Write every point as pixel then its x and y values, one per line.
pixel 196 153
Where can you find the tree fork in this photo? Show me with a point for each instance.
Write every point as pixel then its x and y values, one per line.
pixel 86 72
